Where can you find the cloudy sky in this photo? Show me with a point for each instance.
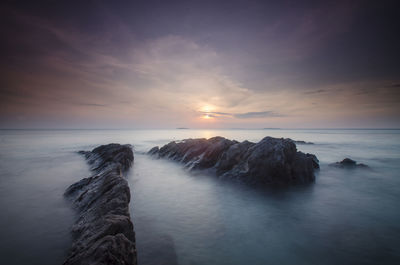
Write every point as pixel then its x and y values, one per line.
pixel 199 64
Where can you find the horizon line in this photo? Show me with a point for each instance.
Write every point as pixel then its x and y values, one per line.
pixel 117 129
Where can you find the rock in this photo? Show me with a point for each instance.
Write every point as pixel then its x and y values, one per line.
pixel 103 232
pixel 270 161
pixel 314 160
pixel 349 164
pixel 232 157
pixel 153 150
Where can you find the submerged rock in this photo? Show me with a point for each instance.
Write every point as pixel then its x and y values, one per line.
pixel 103 232
pixel 270 161
pixel 349 163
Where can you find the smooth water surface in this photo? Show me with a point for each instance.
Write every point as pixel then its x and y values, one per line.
pixel 346 217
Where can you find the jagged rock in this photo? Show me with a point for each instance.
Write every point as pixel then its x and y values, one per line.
pixel 154 150
pixel 103 232
pixel 232 157
pixel 314 160
pixel 270 161
pixel 349 164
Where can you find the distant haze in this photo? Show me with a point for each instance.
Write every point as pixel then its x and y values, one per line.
pixel 199 64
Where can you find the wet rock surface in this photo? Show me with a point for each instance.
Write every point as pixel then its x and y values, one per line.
pixel 349 164
pixel 270 161
pixel 103 232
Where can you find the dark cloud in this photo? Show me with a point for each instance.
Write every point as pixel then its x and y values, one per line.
pixel 260 114
pixel 246 115
pixel 91 104
pixel 216 113
pixel 394 85
pixel 315 91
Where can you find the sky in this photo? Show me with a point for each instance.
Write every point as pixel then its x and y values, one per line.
pixel 199 64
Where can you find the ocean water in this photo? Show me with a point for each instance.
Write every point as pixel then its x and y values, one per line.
pixel 345 217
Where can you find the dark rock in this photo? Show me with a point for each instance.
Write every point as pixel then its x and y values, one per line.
pixel 232 157
pixel 270 161
pixel 103 232
pixel 314 160
pixel 153 150
pixel 114 155
pixel 349 164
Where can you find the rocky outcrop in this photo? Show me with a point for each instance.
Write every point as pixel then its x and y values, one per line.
pixel 103 232
pixel 349 164
pixel 270 161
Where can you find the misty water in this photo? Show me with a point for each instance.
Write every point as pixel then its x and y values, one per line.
pixel 345 217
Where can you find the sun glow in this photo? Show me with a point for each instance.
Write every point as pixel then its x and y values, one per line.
pixel 207 108
pixel 206 111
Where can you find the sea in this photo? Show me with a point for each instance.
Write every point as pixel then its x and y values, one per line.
pixel 348 216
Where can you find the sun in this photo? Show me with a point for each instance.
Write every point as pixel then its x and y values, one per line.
pixel 207 112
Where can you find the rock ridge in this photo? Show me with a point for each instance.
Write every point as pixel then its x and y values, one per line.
pixel 103 232
pixel 270 161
